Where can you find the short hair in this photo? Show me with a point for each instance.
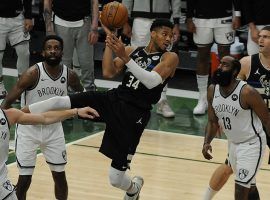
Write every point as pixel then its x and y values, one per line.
pixel 236 65
pixel 53 37
pixel 266 28
pixel 158 23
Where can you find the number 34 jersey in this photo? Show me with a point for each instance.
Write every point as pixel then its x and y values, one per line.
pixel 237 123
pixel 132 90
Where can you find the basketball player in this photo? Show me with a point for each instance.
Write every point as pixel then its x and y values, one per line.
pixel 254 70
pixel 42 81
pixel 12 116
pixel 15 25
pixel 211 21
pixel 240 112
pixel 126 109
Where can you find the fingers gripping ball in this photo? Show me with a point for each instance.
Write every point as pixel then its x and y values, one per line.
pixel 114 15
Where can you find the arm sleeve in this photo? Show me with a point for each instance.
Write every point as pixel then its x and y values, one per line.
pixel 54 103
pixel 148 79
pixel 27 6
pixel 176 10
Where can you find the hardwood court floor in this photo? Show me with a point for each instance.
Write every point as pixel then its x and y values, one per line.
pixel 172 166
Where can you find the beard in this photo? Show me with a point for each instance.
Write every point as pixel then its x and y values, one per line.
pixel 53 62
pixel 223 78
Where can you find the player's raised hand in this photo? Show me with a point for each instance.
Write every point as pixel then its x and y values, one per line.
pixel 205 151
pixel 87 112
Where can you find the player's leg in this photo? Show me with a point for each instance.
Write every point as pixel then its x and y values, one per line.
pixel 218 180
pixel 54 150
pixel 26 146
pixel 19 39
pixel 203 38
pixel 241 192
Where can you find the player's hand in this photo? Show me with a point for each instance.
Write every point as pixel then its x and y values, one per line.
pixel 205 151
pixel 191 26
pixel 87 112
pixel 93 37
pixel 28 25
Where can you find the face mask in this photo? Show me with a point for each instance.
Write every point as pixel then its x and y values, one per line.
pixel 223 78
pixel 53 62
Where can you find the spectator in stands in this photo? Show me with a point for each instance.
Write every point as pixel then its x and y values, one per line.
pixel 143 14
pixel 210 21
pixel 15 24
pixel 77 23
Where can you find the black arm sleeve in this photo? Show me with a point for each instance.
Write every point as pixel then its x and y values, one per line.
pixel 27 6
pixel 190 8
pixel 237 5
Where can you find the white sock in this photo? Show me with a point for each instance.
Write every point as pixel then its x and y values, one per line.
pixel 209 193
pixel 163 94
pixel 202 81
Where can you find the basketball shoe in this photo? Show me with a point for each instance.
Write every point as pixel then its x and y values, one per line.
pixel 138 182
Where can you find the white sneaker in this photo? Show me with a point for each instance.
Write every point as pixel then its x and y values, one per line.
pixel 200 108
pixel 138 181
pixel 3 91
pixel 164 109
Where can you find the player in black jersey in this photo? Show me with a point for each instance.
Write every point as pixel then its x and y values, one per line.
pixel 126 109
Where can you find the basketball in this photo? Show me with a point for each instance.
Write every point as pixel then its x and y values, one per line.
pixel 114 15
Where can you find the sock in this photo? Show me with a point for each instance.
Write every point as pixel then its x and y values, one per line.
pixel 163 94
pixel 202 81
pixel 209 193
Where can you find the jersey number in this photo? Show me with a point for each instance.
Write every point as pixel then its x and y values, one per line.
pixel 227 123
pixel 132 82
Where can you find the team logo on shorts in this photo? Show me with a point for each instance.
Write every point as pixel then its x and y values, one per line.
pixel 234 97
pixel 63 80
pixel 229 36
pixel 64 154
pixel 8 186
pixel 25 34
pixel 243 173
pixel 3 121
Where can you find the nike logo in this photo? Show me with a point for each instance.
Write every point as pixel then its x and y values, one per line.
pixel 43 79
pixel 216 96
pixel 257 72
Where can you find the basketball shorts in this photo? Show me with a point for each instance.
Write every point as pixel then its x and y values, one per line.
pixel 125 123
pixel 246 158
pixel 13 30
pixel 49 138
pixel 217 30
pixel 7 190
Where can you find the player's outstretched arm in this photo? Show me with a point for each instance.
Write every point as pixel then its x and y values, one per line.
pixel 17 116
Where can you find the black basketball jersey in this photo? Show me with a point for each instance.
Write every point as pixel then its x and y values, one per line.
pixel 259 78
pixel 132 90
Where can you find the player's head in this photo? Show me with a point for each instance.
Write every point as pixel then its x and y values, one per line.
pixel 161 34
pixel 227 71
pixel 52 50
pixel 264 40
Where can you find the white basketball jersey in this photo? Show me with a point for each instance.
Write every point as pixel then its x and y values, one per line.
pixel 237 123
pixel 4 144
pixel 46 86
